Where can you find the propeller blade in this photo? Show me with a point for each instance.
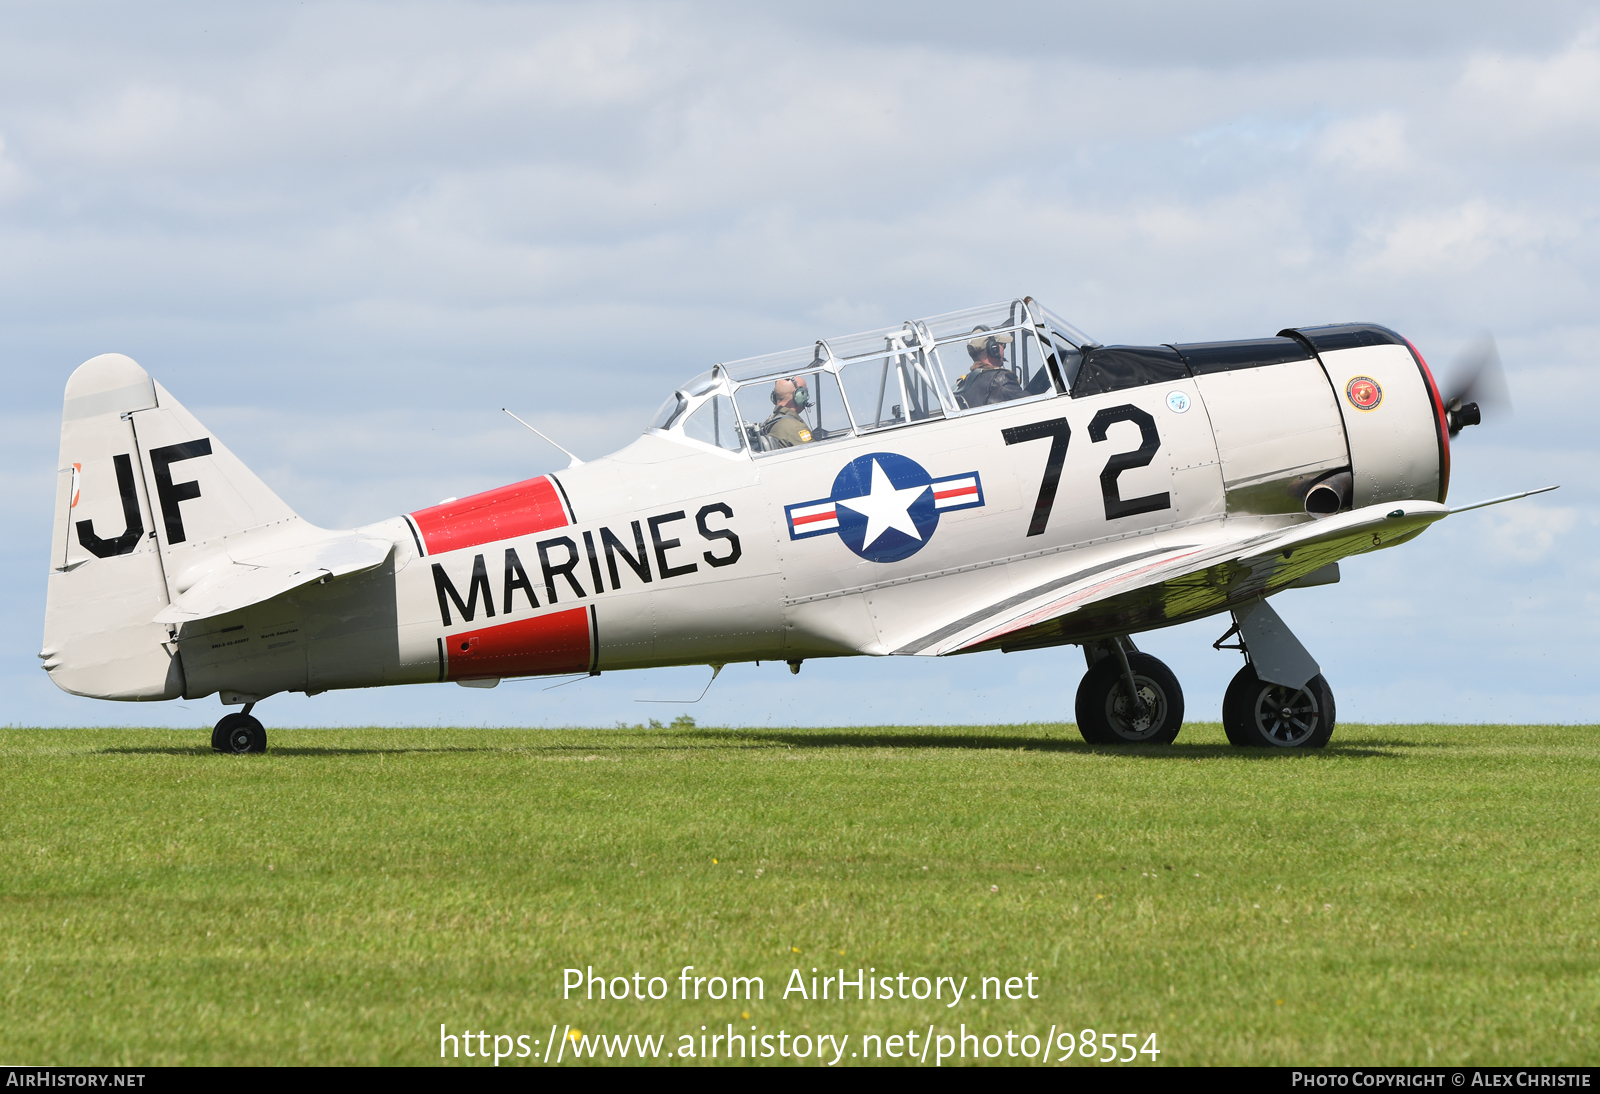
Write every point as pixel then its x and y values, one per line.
pixel 1477 383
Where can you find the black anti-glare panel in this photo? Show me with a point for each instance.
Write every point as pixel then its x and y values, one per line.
pixel 1345 336
pixel 1204 357
pixel 1112 368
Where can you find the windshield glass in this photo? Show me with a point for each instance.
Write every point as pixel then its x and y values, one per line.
pixel 1066 340
pixel 669 411
pixel 1060 326
pixel 715 423
pixel 703 383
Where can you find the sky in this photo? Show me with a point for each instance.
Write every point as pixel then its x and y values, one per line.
pixel 345 235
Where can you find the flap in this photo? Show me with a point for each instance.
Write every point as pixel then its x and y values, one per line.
pixel 248 581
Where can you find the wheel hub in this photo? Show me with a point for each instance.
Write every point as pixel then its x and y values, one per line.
pixel 1286 717
pixel 1136 722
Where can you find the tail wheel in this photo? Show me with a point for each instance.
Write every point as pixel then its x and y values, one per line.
pixel 1258 714
pixel 239 733
pixel 1108 716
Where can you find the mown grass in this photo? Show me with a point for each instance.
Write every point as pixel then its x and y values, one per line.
pixel 1412 894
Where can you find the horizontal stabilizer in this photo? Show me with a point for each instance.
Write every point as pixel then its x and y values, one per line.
pixel 243 582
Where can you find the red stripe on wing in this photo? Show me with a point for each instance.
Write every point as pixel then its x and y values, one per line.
pixel 503 513
pixel 1059 606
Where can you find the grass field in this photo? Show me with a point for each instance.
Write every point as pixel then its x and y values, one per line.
pixel 1412 894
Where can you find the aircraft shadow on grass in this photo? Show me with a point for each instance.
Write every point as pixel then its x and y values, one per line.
pixel 373 750
pixel 985 742
pixel 801 739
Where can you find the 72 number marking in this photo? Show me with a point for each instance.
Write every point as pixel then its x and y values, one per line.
pixel 1060 434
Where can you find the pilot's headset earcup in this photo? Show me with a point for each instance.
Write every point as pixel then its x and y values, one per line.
pixel 982 350
pixel 802 397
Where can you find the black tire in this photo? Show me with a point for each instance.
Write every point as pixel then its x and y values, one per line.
pixel 239 733
pixel 1102 704
pixel 1235 738
pixel 1256 714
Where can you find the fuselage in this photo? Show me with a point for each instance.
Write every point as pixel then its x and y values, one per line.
pixel 700 545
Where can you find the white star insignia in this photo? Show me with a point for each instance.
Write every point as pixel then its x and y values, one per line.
pixel 885 507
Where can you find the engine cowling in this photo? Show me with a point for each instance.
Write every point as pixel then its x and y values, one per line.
pixel 1394 420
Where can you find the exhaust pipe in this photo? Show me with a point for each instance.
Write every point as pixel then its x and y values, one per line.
pixel 1329 495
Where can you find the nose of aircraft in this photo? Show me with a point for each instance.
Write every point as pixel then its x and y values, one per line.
pixel 1477 382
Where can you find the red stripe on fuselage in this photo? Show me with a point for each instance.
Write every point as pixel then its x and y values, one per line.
pixel 504 513
pixel 542 646
pixel 1440 423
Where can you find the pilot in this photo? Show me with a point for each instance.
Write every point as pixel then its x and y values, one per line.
pixel 989 381
pixel 786 428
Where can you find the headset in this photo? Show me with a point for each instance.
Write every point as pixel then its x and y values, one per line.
pixel 802 394
pixel 991 348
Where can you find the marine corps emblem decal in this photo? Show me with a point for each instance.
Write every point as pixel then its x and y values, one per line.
pixel 1363 393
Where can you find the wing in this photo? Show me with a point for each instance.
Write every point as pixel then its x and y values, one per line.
pixel 1161 580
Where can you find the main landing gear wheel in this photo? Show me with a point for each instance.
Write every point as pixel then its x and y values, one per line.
pixel 1106 716
pixel 1256 714
pixel 239 733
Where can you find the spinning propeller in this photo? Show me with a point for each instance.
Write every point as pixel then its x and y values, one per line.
pixel 1477 382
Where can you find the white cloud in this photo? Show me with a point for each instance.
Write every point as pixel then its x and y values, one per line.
pixel 1374 144
pixel 1454 240
pixel 11 178
pixel 1528 532
pixel 1548 102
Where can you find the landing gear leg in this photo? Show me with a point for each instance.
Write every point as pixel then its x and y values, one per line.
pixel 1280 698
pixel 239 732
pixel 1127 697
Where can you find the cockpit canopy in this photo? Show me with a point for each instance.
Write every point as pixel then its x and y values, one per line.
pixel 883 379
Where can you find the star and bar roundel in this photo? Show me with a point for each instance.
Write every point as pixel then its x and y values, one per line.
pixel 884 506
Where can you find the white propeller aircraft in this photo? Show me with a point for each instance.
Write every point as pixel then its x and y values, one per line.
pixel 990 479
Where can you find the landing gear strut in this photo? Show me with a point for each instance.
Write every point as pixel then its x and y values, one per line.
pixel 239 732
pixel 1127 697
pixel 1280 698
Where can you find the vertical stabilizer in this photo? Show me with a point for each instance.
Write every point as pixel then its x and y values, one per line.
pixel 147 502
